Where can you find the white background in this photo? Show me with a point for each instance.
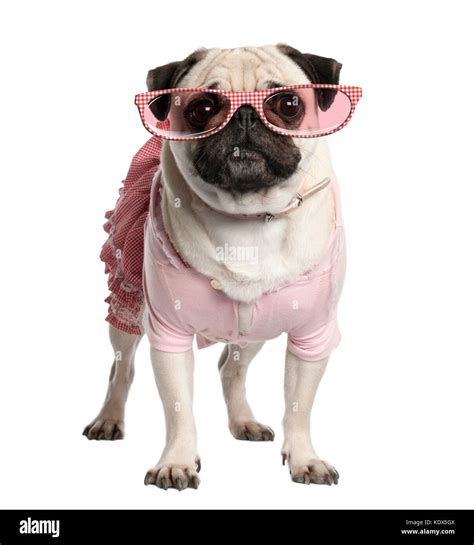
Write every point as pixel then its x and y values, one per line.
pixel 394 411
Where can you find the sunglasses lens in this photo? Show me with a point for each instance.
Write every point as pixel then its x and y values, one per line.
pixel 186 114
pixel 307 111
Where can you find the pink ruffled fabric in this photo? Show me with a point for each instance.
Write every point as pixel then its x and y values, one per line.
pixel 122 253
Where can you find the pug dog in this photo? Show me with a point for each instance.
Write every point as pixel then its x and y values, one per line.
pixel 243 241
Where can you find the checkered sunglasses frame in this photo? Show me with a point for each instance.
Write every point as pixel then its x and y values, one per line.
pixel 253 98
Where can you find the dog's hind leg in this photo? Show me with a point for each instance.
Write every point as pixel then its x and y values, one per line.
pixel 233 365
pixel 109 423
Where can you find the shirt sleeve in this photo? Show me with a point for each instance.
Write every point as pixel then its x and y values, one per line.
pixel 317 345
pixel 163 336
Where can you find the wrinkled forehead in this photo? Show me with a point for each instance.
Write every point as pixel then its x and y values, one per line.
pixel 244 69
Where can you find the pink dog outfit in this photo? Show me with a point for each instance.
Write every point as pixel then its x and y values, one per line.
pixel 180 302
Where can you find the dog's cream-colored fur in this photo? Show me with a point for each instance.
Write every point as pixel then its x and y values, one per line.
pixel 286 248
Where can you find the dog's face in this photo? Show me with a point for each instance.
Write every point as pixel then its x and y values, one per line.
pixel 245 157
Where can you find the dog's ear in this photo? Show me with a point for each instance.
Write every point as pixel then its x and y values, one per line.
pixel 160 77
pixel 168 75
pixel 318 69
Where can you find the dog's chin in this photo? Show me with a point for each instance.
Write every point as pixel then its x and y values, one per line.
pixel 249 170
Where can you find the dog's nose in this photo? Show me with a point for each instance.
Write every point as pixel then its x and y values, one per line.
pixel 246 117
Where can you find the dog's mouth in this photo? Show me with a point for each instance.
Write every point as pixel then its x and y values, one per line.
pixel 247 169
pixel 246 164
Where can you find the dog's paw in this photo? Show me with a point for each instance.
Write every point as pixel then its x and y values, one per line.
pixel 251 430
pixel 314 471
pixel 102 429
pixel 178 476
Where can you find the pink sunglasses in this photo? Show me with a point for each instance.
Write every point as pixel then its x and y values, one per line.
pixel 306 111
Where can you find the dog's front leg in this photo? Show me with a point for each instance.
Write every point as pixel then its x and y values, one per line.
pixel 302 379
pixel 179 463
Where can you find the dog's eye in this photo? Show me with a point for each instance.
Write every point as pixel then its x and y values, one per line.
pixel 289 105
pixel 200 111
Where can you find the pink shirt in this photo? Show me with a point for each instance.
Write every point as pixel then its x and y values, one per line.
pixel 179 302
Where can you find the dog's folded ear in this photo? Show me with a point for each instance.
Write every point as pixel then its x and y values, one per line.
pixel 318 69
pixel 168 75
pixel 160 77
